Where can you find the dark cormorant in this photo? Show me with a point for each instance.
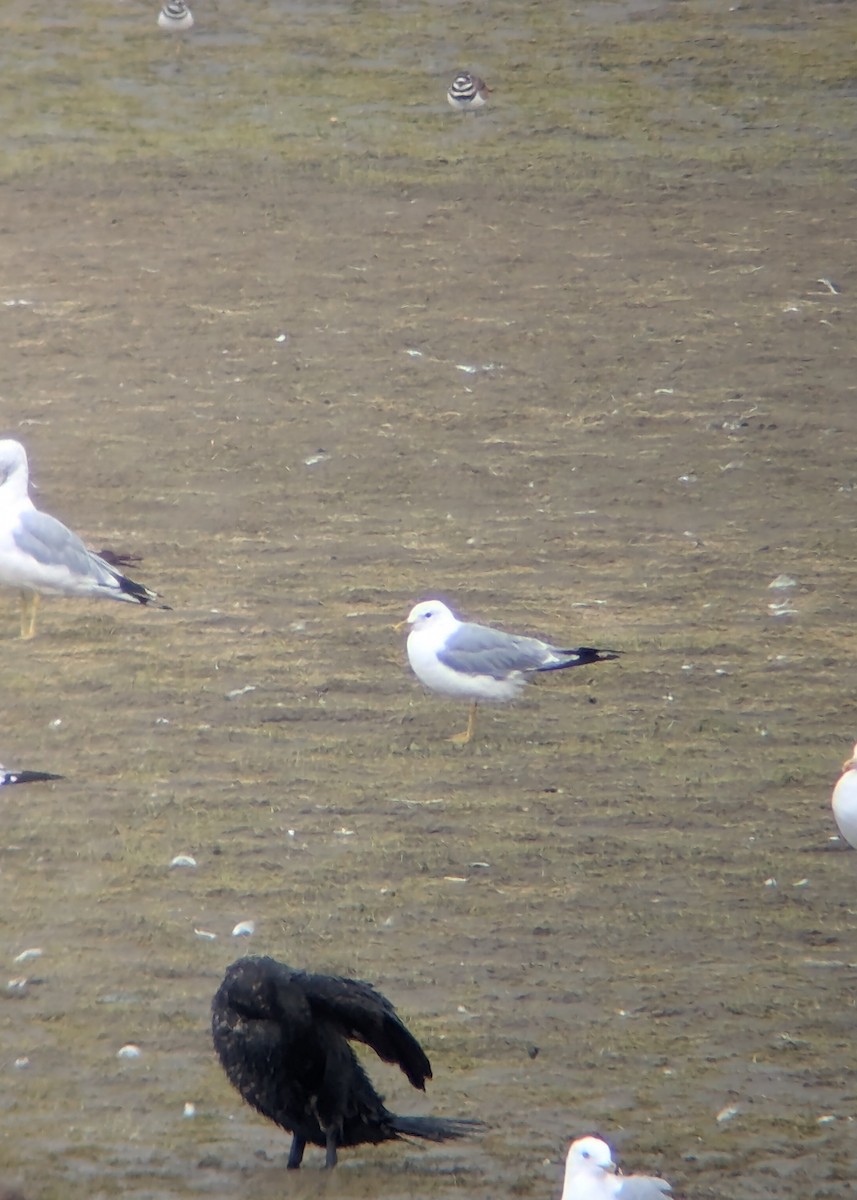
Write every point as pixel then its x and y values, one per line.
pixel 282 1037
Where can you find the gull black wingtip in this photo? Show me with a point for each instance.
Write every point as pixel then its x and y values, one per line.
pixel 9 777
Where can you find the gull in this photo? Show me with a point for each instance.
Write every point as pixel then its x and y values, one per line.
pixel 476 662
pixel 39 556
pixel 591 1174
pixel 844 801
pixel 7 777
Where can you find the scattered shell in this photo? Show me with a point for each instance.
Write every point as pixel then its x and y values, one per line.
pixel 189 1109
pixel 770 882
pixel 344 832
pixel 21 1063
pixel 244 929
pixel 28 955
pixel 827 1119
pixel 205 935
pixel 782 581
pixel 129 1050
pixel 183 860
pixel 17 986
pixel 314 459
pixel 236 692
pixel 726 1114
pixel 414 353
pixel 471 370
pixel 783 609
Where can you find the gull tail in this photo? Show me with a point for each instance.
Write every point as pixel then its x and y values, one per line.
pixel 581 656
pixel 137 592
pixel 436 1129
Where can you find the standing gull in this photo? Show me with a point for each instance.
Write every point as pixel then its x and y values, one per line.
pixel 591 1174
pixel 282 1037
pixel 476 662
pixel 38 555
pixel 844 801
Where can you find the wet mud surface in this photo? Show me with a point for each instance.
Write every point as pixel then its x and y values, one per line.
pixel 315 353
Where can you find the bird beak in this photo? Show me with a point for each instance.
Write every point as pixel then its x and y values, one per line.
pixel 400 625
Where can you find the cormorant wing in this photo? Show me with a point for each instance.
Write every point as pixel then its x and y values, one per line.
pixel 364 1015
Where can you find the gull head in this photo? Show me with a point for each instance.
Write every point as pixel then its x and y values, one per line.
pixel 13 457
pixel 590 1152
pixel 431 615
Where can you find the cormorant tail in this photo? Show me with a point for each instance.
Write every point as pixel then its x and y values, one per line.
pixel 436 1129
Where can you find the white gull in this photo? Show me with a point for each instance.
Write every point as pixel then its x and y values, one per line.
pixel 475 662
pixel 591 1174
pixel 38 555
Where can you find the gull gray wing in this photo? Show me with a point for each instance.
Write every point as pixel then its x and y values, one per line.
pixel 48 541
pixel 643 1187
pixel 480 650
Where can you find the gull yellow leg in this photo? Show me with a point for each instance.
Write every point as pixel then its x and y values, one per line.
pixel 29 605
pixel 461 739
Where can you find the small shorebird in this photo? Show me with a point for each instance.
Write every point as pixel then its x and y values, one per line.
pixel 175 17
pixel 468 92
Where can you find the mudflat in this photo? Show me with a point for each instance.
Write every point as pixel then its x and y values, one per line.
pixel 315 347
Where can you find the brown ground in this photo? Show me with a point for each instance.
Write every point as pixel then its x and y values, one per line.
pixel 631 869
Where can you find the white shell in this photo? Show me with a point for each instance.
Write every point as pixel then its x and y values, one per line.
pixel 244 929
pixel 28 955
pixel 129 1050
pixel 183 860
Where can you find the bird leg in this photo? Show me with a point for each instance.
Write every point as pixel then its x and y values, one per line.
pixel 296 1153
pixel 330 1148
pixel 29 605
pixel 461 739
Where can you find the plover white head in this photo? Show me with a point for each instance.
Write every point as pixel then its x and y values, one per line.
pixel 467 92
pixel 175 17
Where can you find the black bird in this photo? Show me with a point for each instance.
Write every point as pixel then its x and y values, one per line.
pixel 282 1037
